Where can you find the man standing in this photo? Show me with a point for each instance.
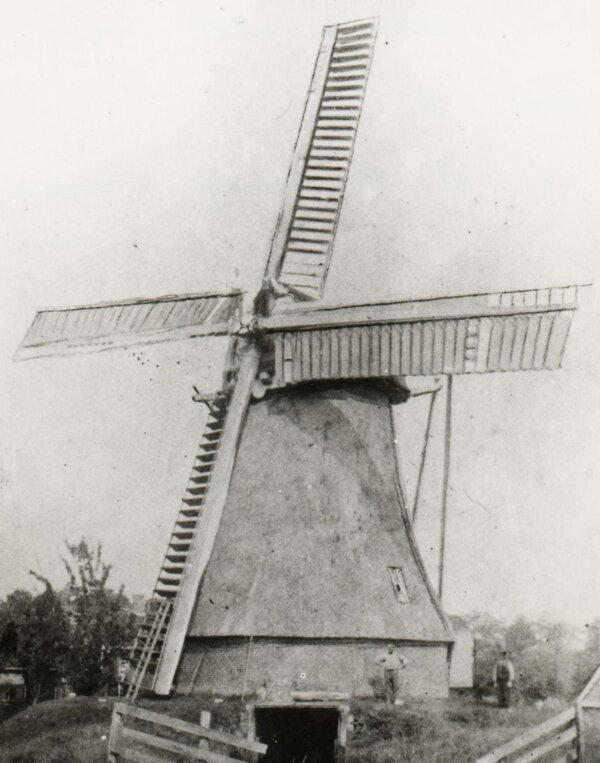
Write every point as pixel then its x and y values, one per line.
pixel 504 676
pixel 392 663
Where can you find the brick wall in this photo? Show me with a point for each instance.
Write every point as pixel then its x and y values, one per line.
pixel 234 666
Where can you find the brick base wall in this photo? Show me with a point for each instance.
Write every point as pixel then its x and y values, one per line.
pixel 277 667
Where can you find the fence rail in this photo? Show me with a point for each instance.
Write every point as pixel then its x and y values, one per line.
pixel 144 746
pixel 574 735
pixel 559 734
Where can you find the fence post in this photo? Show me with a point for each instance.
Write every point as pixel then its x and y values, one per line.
pixel 579 722
pixel 205 723
pixel 114 738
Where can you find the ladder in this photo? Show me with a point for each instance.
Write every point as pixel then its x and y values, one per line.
pixel 149 643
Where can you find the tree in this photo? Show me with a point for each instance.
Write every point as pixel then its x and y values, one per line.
pixel 101 628
pixel 34 633
pixel 588 658
pixel 488 633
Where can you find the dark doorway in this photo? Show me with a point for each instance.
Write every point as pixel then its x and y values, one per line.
pixel 298 734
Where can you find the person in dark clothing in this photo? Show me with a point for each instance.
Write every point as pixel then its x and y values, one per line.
pixel 504 677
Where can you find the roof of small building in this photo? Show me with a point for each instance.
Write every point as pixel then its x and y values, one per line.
pixel 12 678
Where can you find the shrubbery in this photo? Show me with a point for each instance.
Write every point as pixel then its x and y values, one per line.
pixel 549 659
pixel 79 635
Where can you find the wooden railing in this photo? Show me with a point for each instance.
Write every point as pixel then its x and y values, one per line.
pixel 574 735
pixel 558 735
pixel 128 742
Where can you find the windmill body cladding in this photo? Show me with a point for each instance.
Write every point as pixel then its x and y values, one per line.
pixel 292 558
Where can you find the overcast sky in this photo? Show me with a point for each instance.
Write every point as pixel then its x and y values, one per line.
pixel 144 147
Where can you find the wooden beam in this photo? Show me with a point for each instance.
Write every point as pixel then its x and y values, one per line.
pixel 424 454
pixel 445 484
pixel 114 738
pixel 461 306
pixel 563 738
pixel 208 525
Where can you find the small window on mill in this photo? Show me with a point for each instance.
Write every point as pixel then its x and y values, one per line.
pixel 397 578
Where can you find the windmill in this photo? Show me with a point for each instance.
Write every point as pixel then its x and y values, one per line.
pixel 292 557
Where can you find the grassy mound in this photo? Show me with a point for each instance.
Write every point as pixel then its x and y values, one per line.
pixel 459 729
pixel 435 731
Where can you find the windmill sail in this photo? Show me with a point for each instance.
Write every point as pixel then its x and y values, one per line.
pixel 94 328
pixel 303 241
pixel 508 331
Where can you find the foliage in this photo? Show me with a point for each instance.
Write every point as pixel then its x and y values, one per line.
pixel 588 658
pixel 101 628
pixel 543 653
pixel 34 634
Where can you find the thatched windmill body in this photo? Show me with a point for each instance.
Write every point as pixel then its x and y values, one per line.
pixel 292 559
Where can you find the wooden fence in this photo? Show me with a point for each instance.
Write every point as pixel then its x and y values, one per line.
pixel 571 737
pixel 558 735
pixel 154 744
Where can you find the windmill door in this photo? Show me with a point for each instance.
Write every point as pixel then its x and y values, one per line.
pixel 298 734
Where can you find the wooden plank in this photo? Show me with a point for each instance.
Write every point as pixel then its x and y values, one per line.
pixel 427 349
pixel 521 324
pixel 508 339
pixel 168 745
pixel 449 346
pixel 529 737
pixel 288 357
pixel 278 358
pixel 416 348
pixel 471 345
pixel 406 348
pixel 483 346
pixel 375 351
pixel 160 719
pixel 334 354
pixel 541 342
pixel 354 370
pixel 580 725
pixel 495 345
pixel 344 350
pixel 136 756
pixel 590 704
pixel 439 330
pixel 297 366
pixel 385 337
pixel 208 524
pixel 365 351
pixel 460 338
pixel 315 355
pixel 114 737
pixel 533 327
pixel 306 355
pixel 395 350
pixel 557 340
pixel 557 742
pixel 325 340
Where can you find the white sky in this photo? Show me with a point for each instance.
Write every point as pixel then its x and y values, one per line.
pixel 144 148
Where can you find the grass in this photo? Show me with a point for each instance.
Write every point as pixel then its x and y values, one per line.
pixel 441 731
